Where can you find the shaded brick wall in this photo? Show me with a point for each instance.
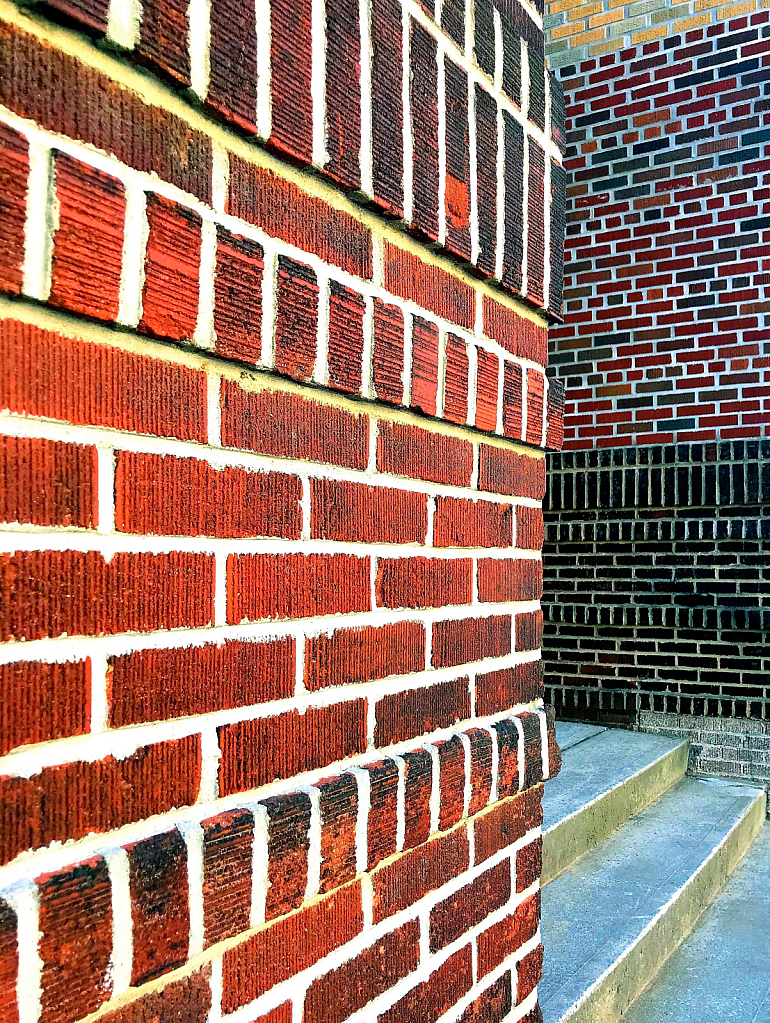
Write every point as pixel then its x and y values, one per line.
pixel 276 283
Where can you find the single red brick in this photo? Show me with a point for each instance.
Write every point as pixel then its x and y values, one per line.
pixel 291 66
pixel 171 496
pixel 14 170
pixel 508 783
pixel 260 751
pixel 423 582
pixel 181 1001
pixel 506 937
pixel 481 769
pixel 295 585
pixel 260 196
pixel 288 842
pixel 487 380
pixel 529 864
pixel 506 822
pixel 461 523
pixel 415 712
pixel 228 841
pixel 424 366
pixel 290 945
pixel 533 749
pixel 388 352
pixel 232 90
pixel 453 20
pixel 170 293
pixel 350 656
pixel 48 593
pixel 529 631
pixel 507 579
pixel 71 801
pixel 406 450
pixel 500 690
pixel 517 334
pixel 343 93
pixel 163 36
pixel 457 181
pixel 493 1005
pixel 9 952
pixel 75 941
pixel 296 319
pixel 451 759
pixel 383 810
pixel 238 294
pixel 89 14
pixel 423 102
pixel 434 996
pixel 536 222
pixel 290 426
pixel 159 905
pixel 88 242
pixel 418 788
pixel 456 380
pixel 47 483
pixel 387 113
pixel 512 400
pixel 470 639
pixel 49 375
pixel 341 992
pixel 486 180
pixel 529 528
pixel 530 973
pixel 346 511
pixel 428 286
pixel 404 880
pixel 346 338
pixel 144 137
pixel 467 907
pixel 155 685
pixel 40 702
pixel 502 471
pixel 339 814
pixel 535 393
pixel 555 436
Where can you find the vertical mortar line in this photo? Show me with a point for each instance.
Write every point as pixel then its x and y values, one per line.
pixel 215 1012
pixel 374 427
pixel 220 177
pixel 214 410
pixel 24 899
pixel 314 839
pixel 470 27
pixel 365 158
pixel 220 587
pixel 472 676
pixel 406 104
pixel 435 788
pixel 105 484
pixel 40 222
pixel 546 388
pixel 123 21
pixel 400 803
pixel 259 864
pixel 378 260
pixel 500 394
pixel 306 505
pixel 407 358
pixel 204 335
pixel 495 765
pixel 321 367
pixel 440 376
pixel 520 750
pixel 192 833
pixel 367 355
pixel 524 401
pixel 199 21
pixel 318 81
pixel 431 511
pixel 210 754
pixel 299 663
pixel 97 662
pixel 269 307
pixel 135 236
pixel 473 171
pixel 544 743
pixel 472 351
pixel 264 30
pixel 500 224
pixel 364 785
pixel 525 205
pixel 442 142
pixel 122 924
pixel 499 55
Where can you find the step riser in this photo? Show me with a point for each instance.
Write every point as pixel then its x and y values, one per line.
pixel 578 834
pixel 614 992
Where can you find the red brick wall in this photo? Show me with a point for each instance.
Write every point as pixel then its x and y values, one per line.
pixel 271 476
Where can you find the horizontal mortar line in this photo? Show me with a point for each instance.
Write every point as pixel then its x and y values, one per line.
pixel 250 378
pixel 21 425
pixel 55 855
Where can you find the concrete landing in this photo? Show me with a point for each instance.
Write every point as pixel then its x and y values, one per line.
pixel 612 918
pixel 722 970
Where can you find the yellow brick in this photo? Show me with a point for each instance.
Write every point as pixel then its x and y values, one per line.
pixel 706 5
pixel 563 5
pixel 587 37
pixel 736 10
pixel 648 34
pixel 583 12
pixel 696 22
pixel 617 3
pixel 565 30
pixel 605 19
pixel 608 46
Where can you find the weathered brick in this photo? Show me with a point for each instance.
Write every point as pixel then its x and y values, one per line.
pixel 406 715
pixel 387 112
pixel 457 185
pixel 529 631
pixel 261 750
pixel 481 769
pixel 47 483
pixel 290 945
pixel 290 426
pixel 529 528
pixel 338 804
pixel 238 296
pixel 14 169
pixel 507 936
pixel 529 973
pixel 343 93
pixel 470 639
pixel 456 380
pixel 513 175
pixel 418 788
pixel 232 90
pixel 486 179
pixel 423 102
pixel 529 865
pixel 423 582
pixel 487 380
pixel 346 511
pixel 467 907
pixel 163 35
pixel 296 319
pixel 451 759
pixel 295 585
pixel 350 656
pixel 428 286
pixel 171 269
pixel 158 684
pixel 517 334
pixel 228 840
pixel 41 702
pixel 512 400
pixel 536 223
pixel 407 450
pixel 159 905
pixel 89 14
pixel 506 579
pixel 346 338
pixel 75 940
pixel 408 878
pixel 288 842
pixel 383 810
pixel 502 471
pixel 535 410
pixel 508 778
pixel 291 68
pixel 533 749
pixel 388 350
pixel 492 1005
pixel 187 1000
pixel 506 822
pixel 461 523
pixel 424 366
pixel 434 996
pixel 499 690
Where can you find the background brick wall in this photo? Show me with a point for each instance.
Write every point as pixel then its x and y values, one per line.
pixel 275 285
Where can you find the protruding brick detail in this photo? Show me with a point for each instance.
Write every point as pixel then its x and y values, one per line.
pixel 506 822
pixel 529 631
pixel 535 406
pixel 512 400
pixel 481 768
pixel 162 40
pixel 406 715
pixel 338 808
pixel 47 483
pixel 457 188
pixel 451 757
pixel 171 269
pixel 346 338
pixel 14 168
pixel 288 843
pixel 388 361
pixel 516 333
pixel 418 789
pixel 350 656
pixel 407 450
pixel 487 388
pixel 529 864
pixel 40 702
pixel 499 941
pixel 228 840
pixel 343 93
pixel 424 366
pixel 467 907
pixel 421 870
pixel 296 321
pixel 486 177
pixel 456 380
pixel 434 996
pixel 238 295
pixel 529 528
pixel 187 1000
pixel 508 759
pixel 383 810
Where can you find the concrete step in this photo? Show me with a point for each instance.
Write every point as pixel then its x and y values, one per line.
pixel 720 972
pixel 612 918
pixel 608 774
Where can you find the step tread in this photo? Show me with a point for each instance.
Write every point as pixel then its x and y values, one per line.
pixel 595 909
pixel 720 972
pixel 594 763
